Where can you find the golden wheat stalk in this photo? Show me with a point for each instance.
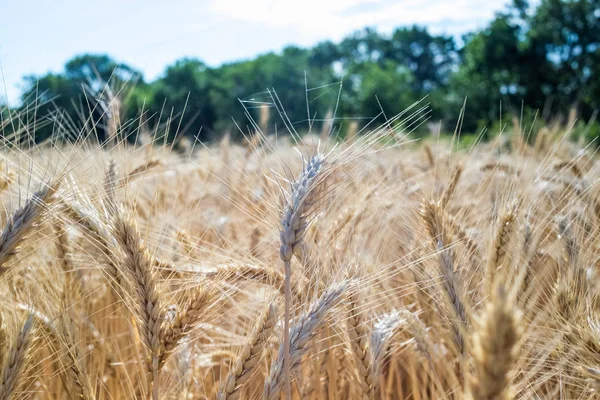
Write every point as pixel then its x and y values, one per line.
pixel 299 207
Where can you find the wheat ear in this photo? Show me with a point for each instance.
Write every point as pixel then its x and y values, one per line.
pixel 173 332
pixel 22 222
pixel 254 273
pixel 300 335
pixel 451 187
pixel 73 276
pixel 138 171
pixel 100 236
pixel 433 218
pixel 75 374
pixel 359 342
pixel 497 252
pixel 495 347
pixel 138 264
pixel 16 360
pixel 248 360
pixel 418 330
pixel 429 156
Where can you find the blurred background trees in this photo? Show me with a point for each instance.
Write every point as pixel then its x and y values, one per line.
pixel 528 59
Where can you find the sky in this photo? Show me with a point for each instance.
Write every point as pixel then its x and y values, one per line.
pixel 39 36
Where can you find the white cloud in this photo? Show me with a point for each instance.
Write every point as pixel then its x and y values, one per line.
pixel 333 19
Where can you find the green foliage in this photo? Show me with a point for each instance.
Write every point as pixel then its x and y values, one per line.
pixel 568 32
pixel 181 95
pixel 384 90
pixel 586 132
pixel 96 70
pixel 545 58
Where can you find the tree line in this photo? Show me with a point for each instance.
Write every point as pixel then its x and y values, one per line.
pixel 542 60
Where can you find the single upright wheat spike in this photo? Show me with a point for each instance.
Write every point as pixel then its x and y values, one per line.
pixel 294 221
pixel 21 223
pixel 249 359
pixel 254 242
pixel 495 347
pixel 265 112
pixel 299 207
pixel 15 360
pixel 138 263
pixel 352 132
pixel 573 274
pixel 327 125
pixel 73 275
pixel 300 335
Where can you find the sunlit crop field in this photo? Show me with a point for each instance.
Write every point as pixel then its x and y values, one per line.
pixel 417 269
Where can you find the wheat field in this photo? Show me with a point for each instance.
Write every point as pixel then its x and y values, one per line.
pixel 403 269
